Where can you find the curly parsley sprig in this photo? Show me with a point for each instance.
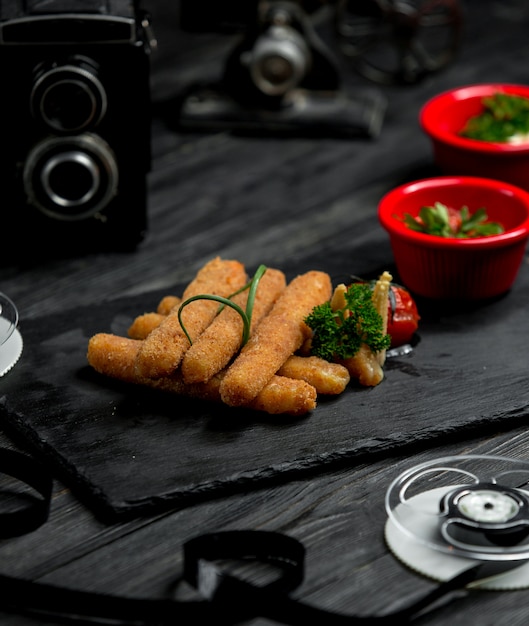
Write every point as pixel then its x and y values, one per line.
pixel 340 333
pixel 246 314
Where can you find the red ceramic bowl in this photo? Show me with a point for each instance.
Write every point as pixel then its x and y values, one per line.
pixel 464 269
pixel 445 115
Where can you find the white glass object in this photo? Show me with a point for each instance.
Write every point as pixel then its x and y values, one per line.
pixel 10 339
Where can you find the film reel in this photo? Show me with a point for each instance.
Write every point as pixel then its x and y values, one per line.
pixel 11 342
pixel 450 513
pixel 398 42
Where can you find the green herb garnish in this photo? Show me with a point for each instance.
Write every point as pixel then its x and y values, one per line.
pixel 504 117
pixel 444 221
pixel 246 314
pixel 340 333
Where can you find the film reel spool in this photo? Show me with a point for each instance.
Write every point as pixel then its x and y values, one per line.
pixel 454 512
pixel 11 342
pixel 398 42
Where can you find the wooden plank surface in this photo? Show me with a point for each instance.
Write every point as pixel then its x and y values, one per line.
pixel 282 202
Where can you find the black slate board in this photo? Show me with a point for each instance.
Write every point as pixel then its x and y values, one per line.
pixel 127 451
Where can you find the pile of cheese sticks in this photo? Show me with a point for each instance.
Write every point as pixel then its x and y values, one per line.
pixel 196 350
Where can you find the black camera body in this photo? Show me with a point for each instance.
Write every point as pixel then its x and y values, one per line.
pixel 75 146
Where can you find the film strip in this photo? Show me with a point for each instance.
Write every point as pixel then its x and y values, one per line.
pixel 462 520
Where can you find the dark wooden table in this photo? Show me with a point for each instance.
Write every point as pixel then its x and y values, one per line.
pixel 297 203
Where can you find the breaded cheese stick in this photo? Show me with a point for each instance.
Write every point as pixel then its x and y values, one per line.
pixel 282 395
pixel 115 357
pixel 221 340
pixel 162 350
pixel 167 303
pixel 142 325
pixel 327 378
pixel 276 337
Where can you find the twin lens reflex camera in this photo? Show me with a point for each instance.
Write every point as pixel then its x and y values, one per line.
pixel 76 134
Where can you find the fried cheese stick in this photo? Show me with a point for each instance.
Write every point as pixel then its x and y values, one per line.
pixel 221 340
pixel 328 378
pixel 115 357
pixel 167 303
pixel 276 337
pixel 143 324
pixel 162 350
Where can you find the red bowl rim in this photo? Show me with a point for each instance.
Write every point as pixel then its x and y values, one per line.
pixel 431 113
pixel 397 228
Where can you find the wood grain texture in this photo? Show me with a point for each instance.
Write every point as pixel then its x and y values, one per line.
pixel 297 203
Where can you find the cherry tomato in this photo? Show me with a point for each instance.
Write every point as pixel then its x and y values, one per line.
pixel 403 316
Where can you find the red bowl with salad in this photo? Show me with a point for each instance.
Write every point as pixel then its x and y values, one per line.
pixel 457 237
pixel 480 130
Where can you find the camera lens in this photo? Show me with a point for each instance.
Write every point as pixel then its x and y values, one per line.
pixel 69 97
pixel 279 60
pixel 71 178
